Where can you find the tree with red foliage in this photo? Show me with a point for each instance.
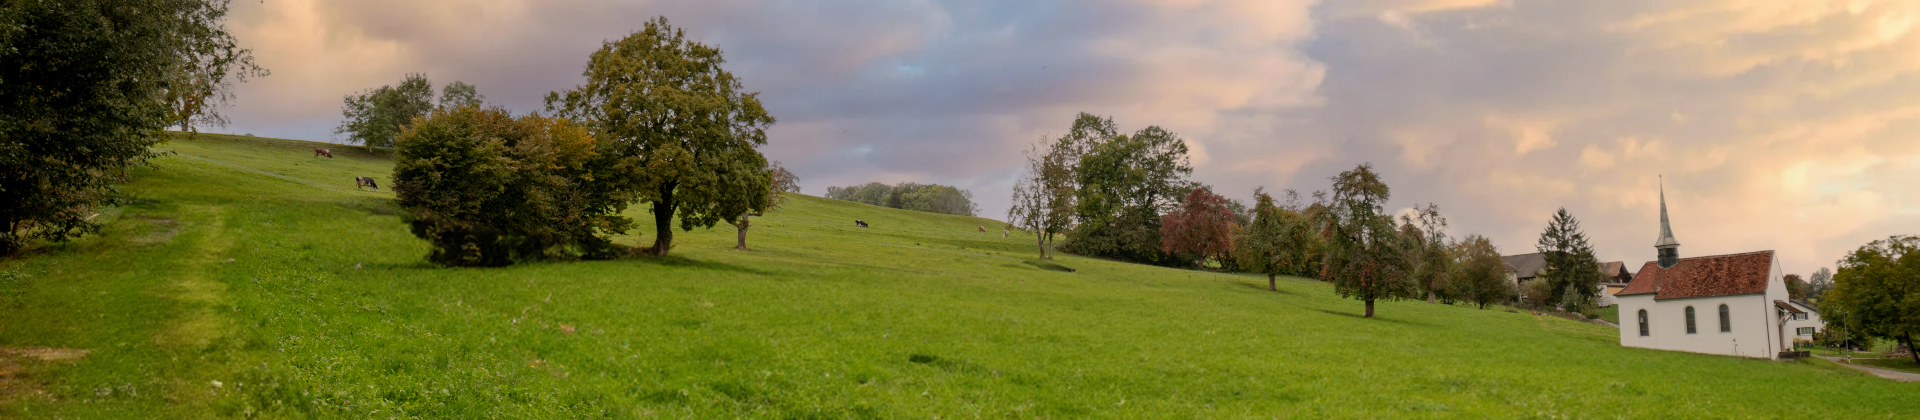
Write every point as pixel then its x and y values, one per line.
pixel 1201 228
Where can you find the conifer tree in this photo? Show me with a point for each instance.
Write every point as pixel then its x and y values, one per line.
pixel 1570 262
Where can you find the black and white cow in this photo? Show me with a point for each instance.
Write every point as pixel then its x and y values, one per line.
pixel 860 223
pixel 362 181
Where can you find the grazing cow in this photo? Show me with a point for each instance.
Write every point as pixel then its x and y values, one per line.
pixel 362 181
pixel 983 229
pixel 860 223
pixel 323 152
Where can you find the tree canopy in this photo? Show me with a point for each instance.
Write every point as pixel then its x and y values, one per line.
pixel 1364 255
pixel 1123 183
pixel 931 198
pixel 86 88
pixel 1482 277
pixel 1876 291
pixel 1201 228
pixel 682 131
pixel 780 181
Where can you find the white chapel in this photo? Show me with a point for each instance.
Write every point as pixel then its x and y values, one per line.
pixel 1733 304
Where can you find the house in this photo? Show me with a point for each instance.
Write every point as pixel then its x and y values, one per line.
pixel 1526 266
pixel 1803 321
pixel 1616 280
pixel 1724 304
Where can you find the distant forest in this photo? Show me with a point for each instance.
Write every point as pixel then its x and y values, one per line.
pixel 910 196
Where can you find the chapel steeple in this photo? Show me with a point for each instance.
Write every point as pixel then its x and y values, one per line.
pixel 1667 247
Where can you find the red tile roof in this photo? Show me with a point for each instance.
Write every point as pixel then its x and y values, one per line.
pixel 1718 275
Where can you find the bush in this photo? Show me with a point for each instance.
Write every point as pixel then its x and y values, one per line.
pixel 1536 293
pixel 488 189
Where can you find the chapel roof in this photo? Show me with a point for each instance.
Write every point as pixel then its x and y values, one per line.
pixel 1718 275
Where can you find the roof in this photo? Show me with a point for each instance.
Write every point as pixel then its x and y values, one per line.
pixel 1510 268
pixel 1788 307
pixel 1718 275
pixel 1805 304
pixel 1666 230
pixel 1526 264
pixel 1613 268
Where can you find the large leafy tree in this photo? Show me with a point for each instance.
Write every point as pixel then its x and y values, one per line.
pixel 1258 247
pixel 1572 270
pixel 458 94
pixel 1201 228
pixel 488 189
pixel 1482 277
pixel 1878 290
pixel 1365 258
pixel 1430 255
pixel 780 181
pixel 682 130
pixel 1123 185
pixel 86 87
pixel 1819 283
pixel 376 117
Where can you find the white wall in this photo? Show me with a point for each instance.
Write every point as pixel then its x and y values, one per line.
pixel 1813 320
pixel 1667 325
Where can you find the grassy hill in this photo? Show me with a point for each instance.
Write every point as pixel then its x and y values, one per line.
pixel 250 279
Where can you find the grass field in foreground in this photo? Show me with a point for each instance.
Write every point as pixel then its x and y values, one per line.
pixel 251 279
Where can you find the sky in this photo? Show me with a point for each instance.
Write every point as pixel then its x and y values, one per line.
pixel 1786 125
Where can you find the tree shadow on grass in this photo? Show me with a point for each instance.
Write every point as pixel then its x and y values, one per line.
pixel 684 262
pixel 1375 318
pixel 1263 288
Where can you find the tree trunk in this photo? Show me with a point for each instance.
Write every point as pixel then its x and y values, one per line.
pixel 1912 351
pixel 663 223
pixel 1040 240
pixel 1270 283
pixel 1429 296
pixel 1369 308
pixel 744 224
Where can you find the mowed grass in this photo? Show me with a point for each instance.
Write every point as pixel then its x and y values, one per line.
pixel 248 262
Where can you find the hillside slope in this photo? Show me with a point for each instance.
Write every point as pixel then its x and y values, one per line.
pixel 248 262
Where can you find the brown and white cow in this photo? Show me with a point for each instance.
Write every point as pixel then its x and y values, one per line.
pixel 323 152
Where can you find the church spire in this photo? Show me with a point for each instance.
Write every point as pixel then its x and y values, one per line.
pixel 1667 247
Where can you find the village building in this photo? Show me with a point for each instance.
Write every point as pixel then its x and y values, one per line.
pixel 1804 321
pixel 1615 279
pixel 1734 304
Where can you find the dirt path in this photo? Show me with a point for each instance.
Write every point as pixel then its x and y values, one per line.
pixel 1884 373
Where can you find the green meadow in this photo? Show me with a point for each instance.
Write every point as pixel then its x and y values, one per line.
pixel 250 279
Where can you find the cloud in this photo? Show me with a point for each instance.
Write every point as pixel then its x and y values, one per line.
pixel 1777 124
pixel 1780 124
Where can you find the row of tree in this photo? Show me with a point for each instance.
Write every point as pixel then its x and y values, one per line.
pixel 1876 292
pixel 87 87
pixel 376 116
pixel 658 122
pixel 931 198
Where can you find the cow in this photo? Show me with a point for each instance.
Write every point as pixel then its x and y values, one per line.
pixel 363 181
pixel 983 229
pixel 323 152
pixel 861 223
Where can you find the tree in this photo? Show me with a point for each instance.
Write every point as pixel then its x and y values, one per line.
pixel 1483 275
pixel 488 189
pixel 682 131
pixel 1364 256
pixel 1123 185
pixel 458 94
pixel 1431 257
pixel 376 117
pixel 931 198
pixel 1201 228
pixel 1570 262
pixel 86 88
pixel 1796 288
pixel 1819 283
pixel 780 182
pixel 1258 247
pixel 1878 288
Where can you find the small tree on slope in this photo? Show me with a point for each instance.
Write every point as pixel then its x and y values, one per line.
pixel 1201 228
pixel 1364 258
pixel 780 182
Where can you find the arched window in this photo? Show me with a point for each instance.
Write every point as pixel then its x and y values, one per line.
pixel 1690 329
pixel 1643 323
pixel 1726 321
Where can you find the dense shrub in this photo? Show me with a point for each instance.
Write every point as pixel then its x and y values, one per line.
pixel 488 189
